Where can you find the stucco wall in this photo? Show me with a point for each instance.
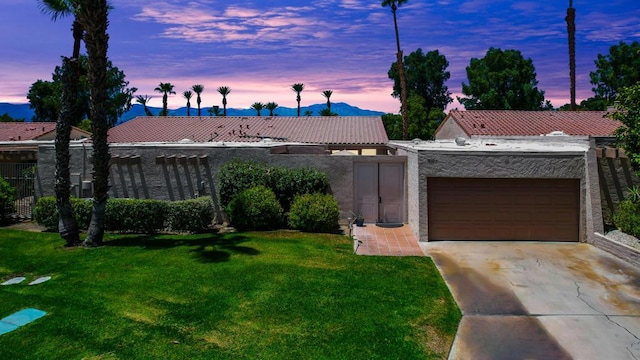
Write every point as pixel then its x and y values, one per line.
pixel 172 172
pixel 449 130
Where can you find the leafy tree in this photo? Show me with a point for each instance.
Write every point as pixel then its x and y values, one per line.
pixel 502 80
pixel 198 89
pixel 165 89
pixel 7 118
pixel 44 96
pixel 620 68
pixel 144 100
pixel 628 113
pixel 327 94
pixel 257 106
pixel 297 88
pixel 93 14
pixel 224 91
pixel 571 30
pixel 426 76
pixel 214 110
pixel 394 4
pixel 85 125
pixel 187 95
pixel 422 123
pixel 271 106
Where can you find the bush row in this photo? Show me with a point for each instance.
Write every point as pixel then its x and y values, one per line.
pixel 627 217
pixel 237 176
pixel 133 215
pixel 7 197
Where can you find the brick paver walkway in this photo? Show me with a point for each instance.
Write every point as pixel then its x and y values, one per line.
pixel 375 240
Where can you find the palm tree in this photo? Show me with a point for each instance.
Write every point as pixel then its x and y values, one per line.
pixel 187 95
pixel 70 113
pixel 571 29
pixel 93 15
pixel 198 89
pixel 143 100
pixel 224 91
pixel 214 111
pixel 298 87
pixel 271 106
pixel 394 4
pixel 165 89
pixel 257 106
pixel 327 94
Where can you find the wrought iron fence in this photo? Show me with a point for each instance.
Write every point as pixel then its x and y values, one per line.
pixel 22 177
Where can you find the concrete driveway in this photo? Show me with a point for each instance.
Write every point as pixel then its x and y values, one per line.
pixel 525 300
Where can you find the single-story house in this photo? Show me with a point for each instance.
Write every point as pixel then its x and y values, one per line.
pixel 355 133
pixel 482 123
pixel 19 140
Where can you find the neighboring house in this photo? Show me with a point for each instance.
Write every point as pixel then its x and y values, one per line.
pixel 482 123
pixel 355 133
pixel 24 131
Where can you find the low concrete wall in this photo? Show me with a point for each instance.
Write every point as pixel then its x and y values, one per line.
pixel 182 171
pixel 622 251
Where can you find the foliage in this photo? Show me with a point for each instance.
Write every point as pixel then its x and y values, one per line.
pixel 7 118
pixel 165 89
pixel 314 213
pixel 502 80
pixel 627 217
pixel 422 124
pixel 271 106
pixel 85 125
pixel 393 126
pixel 7 197
pixel 426 77
pixel 44 96
pixel 616 70
pixel 257 106
pixel 628 113
pixel 327 112
pixel 298 88
pixel 236 176
pixel 198 89
pixel 281 295
pixel 193 215
pixel 255 209
pixel 224 91
pixel 133 215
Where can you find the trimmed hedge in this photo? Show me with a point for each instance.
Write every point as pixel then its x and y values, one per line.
pixel 255 209
pixel 133 215
pixel 314 213
pixel 237 176
pixel 627 217
pixel 7 197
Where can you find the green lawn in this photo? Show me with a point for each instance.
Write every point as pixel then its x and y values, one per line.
pixel 279 295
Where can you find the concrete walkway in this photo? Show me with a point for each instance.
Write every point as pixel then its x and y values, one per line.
pixel 525 300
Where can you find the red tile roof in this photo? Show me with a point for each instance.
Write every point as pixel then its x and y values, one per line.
pixel 20 131
pixel 533 123
pixel 356 130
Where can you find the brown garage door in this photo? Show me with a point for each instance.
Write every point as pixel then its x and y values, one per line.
pixel 503 209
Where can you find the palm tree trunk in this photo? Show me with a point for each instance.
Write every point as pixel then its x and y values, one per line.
pixel 571 29
pixel 224 105
pixel 95 14
pixel 67 225
pixel 403 79
pixel 298 99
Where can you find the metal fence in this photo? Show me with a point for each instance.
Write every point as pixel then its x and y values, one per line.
pixel 22 177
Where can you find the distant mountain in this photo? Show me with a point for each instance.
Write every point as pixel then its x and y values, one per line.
pixel 23 111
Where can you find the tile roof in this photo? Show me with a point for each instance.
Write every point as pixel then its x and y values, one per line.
pixel 533 123
pixel 356 130
pixel 21 131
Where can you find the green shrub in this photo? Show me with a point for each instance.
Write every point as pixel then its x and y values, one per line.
pixel 255 209
pixel 237 176
pixel 314 213
pixel 45 212
pixel 82 209
pixel 627 217
pixel 289 183
pixel 7 198
pixel 190 215
pixel 135 215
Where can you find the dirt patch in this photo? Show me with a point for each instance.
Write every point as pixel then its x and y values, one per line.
pixel 25 226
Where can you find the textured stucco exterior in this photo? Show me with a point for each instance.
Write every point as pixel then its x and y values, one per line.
pixel 176 171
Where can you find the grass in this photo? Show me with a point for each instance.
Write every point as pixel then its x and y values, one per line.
pixel 276 295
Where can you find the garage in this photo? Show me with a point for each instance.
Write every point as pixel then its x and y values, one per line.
pixel 503 209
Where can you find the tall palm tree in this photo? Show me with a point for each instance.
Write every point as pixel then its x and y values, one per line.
pixel 198 89
pixel 165 89
pixel 187 95
pixel 271 106
pixel 257 106
pixel 93 15
pixel 327 94
pixel 394 4
pixel 70 113
pixel 298 87
pixel 224 91
pixel 143 100
pixel 571 29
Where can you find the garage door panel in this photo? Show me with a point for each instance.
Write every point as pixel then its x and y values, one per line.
pixel 503 209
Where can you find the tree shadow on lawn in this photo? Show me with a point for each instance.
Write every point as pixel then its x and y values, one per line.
pixel 208 248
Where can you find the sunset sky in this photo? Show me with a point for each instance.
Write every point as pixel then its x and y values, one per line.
pixel 260 48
